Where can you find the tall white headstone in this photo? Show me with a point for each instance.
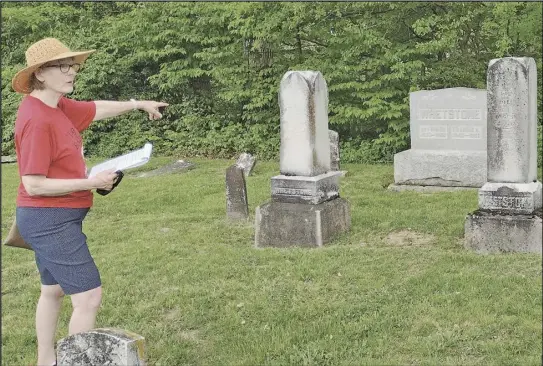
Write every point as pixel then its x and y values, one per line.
pixel 305 207
pixel 509 215
pixel 512 120
pixel 303 102
pixel 512 137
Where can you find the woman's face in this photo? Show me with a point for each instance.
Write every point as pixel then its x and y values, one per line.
pixel 58 75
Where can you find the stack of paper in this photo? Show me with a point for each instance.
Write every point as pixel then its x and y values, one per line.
pixel 131 160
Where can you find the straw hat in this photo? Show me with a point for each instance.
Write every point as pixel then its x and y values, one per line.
pixel 39 53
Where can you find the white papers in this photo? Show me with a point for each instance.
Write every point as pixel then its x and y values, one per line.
pixel 131 160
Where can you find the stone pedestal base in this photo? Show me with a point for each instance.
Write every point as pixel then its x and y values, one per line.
pixel 427 189
pixel 511 198
pixel 300 189
pixel 280 224
pixel 445 168
pixel 487 232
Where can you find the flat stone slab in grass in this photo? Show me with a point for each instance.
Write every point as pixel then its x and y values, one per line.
pixel 408 238
pixel 100 347
pixel 427 189
pixel 9 159
pixel 178 166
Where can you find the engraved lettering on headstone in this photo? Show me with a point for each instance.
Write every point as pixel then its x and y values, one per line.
pixel 448 109
pixel 432 132
pixel 449 114
pixel 464 132
pixel 293 191
pixel 506 202
pixel 505 120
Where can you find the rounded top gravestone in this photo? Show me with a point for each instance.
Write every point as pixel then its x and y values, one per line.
pixel 303 101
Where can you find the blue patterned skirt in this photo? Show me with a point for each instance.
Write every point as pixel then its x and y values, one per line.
pixel 60 247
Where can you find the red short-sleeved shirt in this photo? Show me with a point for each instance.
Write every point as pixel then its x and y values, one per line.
pixel 47 142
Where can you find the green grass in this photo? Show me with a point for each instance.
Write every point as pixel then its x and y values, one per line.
pixel 399 289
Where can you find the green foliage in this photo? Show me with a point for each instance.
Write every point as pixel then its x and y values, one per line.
pixel 219 65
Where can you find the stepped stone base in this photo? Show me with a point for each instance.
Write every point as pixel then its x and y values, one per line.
pixel 310 190
pixel 444 168
pixel 282 224
pixel 487 232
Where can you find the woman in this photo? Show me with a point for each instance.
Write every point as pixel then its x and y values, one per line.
pixel 55 195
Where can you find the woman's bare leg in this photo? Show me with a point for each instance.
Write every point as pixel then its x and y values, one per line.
pixel 86 305
pixel 47 313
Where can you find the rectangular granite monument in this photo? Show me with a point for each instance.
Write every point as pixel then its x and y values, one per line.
pixel 448 139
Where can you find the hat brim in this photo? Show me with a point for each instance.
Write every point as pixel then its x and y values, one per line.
pixel 21 81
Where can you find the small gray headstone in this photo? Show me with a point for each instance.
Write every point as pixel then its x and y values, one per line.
pixel 100 347
pixel 247 163
pixel 236 194
pixel 334 150
pixel 178 166
pixel 9 159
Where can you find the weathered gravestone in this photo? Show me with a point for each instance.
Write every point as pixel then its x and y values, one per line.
pixel 448 140
pixel 176 167
pixel 247 163
pixel 236 194
pixel 305 209
pixel 101 347
pixel 509 215
pixel 334 150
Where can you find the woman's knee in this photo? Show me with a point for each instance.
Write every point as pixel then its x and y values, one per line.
pixel 90 299
pixel 52 291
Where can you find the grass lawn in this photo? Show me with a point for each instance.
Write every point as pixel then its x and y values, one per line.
pixel 399 289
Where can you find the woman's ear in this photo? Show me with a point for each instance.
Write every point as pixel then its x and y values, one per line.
pixel 38 75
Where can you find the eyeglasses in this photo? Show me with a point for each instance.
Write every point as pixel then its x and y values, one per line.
pixel 65 67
